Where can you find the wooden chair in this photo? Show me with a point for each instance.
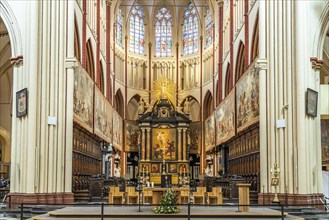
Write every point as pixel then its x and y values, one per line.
pixel 199 195
pixel 115 196
pixel 147 196
pixel 185 197
pixel 132 195
pixel 215 196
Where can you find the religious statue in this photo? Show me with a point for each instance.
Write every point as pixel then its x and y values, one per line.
pixel 187 106
pixel 208 171
pixel 117 172
pixel 141 106
pixel 163 90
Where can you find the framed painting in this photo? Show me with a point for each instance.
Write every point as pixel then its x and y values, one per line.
pixel 155 168
pixel 195 137
pixel 132 136
pixel 117 130
pixel 164 144
pixel 210 132
pixel 173 168
pixel 311 103
pixel 21 102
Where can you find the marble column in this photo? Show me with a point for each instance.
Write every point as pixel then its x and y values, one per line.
pixel 184 144
pixel 179 156
pixel 143 145
pixel 148 130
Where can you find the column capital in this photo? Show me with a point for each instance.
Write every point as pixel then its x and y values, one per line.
pixel 220 3
pixel 261 64
pixel 17 61
pixel 316 63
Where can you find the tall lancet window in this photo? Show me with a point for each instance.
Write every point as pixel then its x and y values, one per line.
pixel 209 27
pixel 119 27
pixel 190 30
pixel 163 33
pixel 137 31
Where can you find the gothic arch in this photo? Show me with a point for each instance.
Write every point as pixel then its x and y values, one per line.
pixel 208 105
pixel 119 103
pixel 321 32
pixel 240 65
pixel 77 52
pixel 101 72
pixel 227 80
pixel 255 42
pixel 90 61
pixel 11 24
pixel 132 111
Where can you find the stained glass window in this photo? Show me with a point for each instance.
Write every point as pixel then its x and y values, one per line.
pixel 209 27
pixel 190 30
pixel 119 27
pixel 137 35
pixel 163 33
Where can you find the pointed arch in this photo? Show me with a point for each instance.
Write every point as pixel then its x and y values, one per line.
pixel 77 52
pixel 194 106
pixel 240 65
pixel 119 103
pixel 255 41
pixel 90 67
pixel 208 105
pixel 101 72
pixel 132 111
pixel 227 80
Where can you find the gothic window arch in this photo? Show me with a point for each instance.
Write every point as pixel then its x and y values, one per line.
pixel 190 30
pixel 137 29
pixel 209 27
pixel 163 33
pixel 119 22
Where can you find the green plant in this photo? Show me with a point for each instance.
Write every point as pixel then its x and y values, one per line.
pixel 168 203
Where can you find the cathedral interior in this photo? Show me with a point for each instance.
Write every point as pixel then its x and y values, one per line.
pixel 169 93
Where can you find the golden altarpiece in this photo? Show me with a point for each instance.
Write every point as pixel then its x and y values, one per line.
pixel 164 145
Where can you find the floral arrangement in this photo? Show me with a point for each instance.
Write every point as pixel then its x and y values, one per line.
pixel 168 203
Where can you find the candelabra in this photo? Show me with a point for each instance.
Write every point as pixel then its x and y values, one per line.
pixel 275 181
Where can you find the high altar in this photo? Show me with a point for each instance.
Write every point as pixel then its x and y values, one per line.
pixel 164 139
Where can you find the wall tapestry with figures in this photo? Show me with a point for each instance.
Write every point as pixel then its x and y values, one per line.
pixel 210 132
pixel 117 131
pixel 83 98
pixel 164 144
pixel 103 117
pixel 195 137
pixel 247 99
pixel 225 119
pixel 325 140
pixel 132 136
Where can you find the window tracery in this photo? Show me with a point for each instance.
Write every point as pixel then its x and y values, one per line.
pixel 209 27
pixel 190 30
pixel 137 30
pixel 119 27
pixel 163 33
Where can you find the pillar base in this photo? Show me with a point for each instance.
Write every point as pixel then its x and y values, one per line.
pixel 291 199
pixel 39 198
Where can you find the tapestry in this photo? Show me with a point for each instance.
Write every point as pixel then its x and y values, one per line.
pixel 117 130
pixel 83 98
pixel 210 132
pixel 195 137
pixel 132 136
pixel 103 117
pixel 225 119
pixel 164 144
pixel 325 139
pixel 247 99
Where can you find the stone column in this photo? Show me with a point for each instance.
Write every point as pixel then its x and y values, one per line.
pixel 184 144
pixel 143 145
pixel 179 145
pixel 148 130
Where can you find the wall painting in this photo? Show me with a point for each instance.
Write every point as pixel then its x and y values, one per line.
pixel 247 99
pixel 225 119
pixel 83 98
